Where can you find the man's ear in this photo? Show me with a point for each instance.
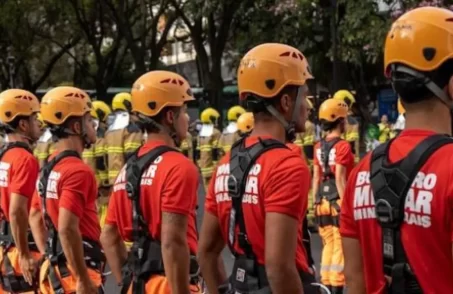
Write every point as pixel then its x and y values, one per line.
pixel 23 125
pixel 285 103
pixel 76 126
pixel 170 117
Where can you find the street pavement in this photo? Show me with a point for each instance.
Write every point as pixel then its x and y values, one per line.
pixel 316 246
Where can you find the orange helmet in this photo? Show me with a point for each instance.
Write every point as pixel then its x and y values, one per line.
pixel 266 69
pixel 60 103
pixel 17 102
pixel 333 109
pixel 158 89
pixel 245 122
pixel 421 39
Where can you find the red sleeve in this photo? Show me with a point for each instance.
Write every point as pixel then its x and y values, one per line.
pixel 343 153
pixel 110 218
pixel 75 188
pixel 24 176
pixel 210 204
pixel 348 227
pixel 181 186
pixel 287 186
pixel 36 201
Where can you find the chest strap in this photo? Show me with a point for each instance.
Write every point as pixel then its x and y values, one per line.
pixel 390 183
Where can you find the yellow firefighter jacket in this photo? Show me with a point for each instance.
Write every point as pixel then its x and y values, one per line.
pixel 122 139
pixel 352 136
pixel 187 146
pixel 207 149
pixel 229 135
pixel 96 158
pixel 44 148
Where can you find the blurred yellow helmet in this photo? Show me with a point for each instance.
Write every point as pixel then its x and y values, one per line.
pixel 42 123
pixel 100 110
pixel 246 122
pixel 122 101
pixel 235 112
pixel 209 116
pixel 345 96
pixel 401 109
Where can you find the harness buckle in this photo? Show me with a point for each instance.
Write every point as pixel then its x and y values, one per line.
pixel 129 190
pixel 41 188
pixel 233 188
pixel 386 214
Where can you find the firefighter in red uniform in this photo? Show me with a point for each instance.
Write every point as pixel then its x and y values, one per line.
pixel 396 218
pixel 159 186
pixel 257 197
pixel 332 163
pixel 68 190
pixel 19 171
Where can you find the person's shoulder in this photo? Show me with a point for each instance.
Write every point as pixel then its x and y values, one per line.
pixel 175 159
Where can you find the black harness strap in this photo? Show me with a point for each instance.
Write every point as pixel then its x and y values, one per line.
pixel 326 147
pixel 94 256
pixel 145 257
pixel 10 281
pixel 390 184
pixel 242 160
pixel 328 188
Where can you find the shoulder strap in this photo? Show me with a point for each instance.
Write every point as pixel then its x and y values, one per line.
pixel 13 145
pixel 390 184
pixel 42 190
pixel 135 168
pixel 326 146
pixel 242 160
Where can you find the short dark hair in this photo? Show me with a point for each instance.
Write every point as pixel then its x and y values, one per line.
pixel 257 104
pixel 412 89
pixel 330 125
pixel 150 124
pixel 59 131
pixel 12 126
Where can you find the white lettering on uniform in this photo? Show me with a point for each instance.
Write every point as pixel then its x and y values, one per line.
pixel 147 177
pixel 251 187
pixel 417 206
pixel 4 172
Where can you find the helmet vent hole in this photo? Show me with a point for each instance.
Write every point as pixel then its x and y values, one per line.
pixel 294 55
pixel 429 53
pixel 301 56
pixel 285 54
pixel 449 19
pixel 270 84
pixel 180 82
pixel 189 92
pixel 174 82
pixel 152 105
pixel 8 113
pixel 332 116
pixel 165 81
pixel 59 115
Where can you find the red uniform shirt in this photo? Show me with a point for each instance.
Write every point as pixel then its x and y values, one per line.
pixel 72 185
pixel 169 185
pixel 427 232
pixel 278 182
pixel 18 173
pixel 341 153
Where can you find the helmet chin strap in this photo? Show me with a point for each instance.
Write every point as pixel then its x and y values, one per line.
pixel 290 127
